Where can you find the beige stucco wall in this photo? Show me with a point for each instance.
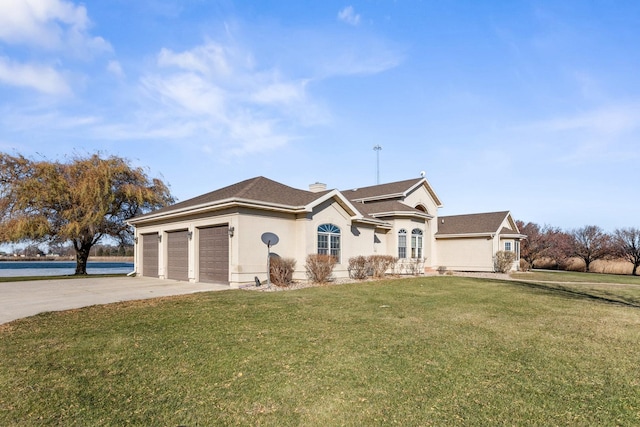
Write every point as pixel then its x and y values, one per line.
pixel 514 248
pixel 355 238
pixel 408 225
pixel 298 238
pixel 192 224
pixel 420 197
pixel 248 254
pixel 466 254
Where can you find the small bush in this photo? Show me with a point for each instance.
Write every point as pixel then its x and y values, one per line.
pixel 504 260
pixel 319 267
pixel 358 267
pixel 442 269
pixel 379 264
pixel 282 271
pixel 415 266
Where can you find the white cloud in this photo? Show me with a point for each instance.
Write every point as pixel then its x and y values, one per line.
pixel 610 120
pixel 115 68
pixel 280 93
pixel 349 16
pixel 207 59
pixel 217 94
pixel 42 78
pixel 188 92
pixel 49 24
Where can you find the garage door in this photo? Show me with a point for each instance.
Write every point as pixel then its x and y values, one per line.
pixel 213 249
pixel 150 255
pixel 178 255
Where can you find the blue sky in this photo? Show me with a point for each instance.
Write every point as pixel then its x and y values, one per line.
pixel 527 106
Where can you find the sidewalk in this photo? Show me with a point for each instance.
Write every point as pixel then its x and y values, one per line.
pixel 23 299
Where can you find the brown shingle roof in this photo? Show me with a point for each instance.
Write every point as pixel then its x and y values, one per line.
pixel 393 188
pixel 472 223
pixel 373 208
pixel 259 189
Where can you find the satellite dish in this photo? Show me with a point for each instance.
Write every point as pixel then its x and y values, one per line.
pixel 269 239
pixel 422 173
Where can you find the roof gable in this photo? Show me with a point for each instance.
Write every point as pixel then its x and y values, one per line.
pixel 392 190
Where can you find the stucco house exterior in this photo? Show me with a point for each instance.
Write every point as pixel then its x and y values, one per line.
pixel 216 237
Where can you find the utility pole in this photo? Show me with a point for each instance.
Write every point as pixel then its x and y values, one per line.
pixel 377 149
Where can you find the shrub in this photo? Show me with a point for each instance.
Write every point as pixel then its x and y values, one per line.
pixel 524 265
pixel 415 266
pixel 319 267
pixel 504 260
pixel 442 269
pixel 282 271
pixel 379 264
pixel 358 267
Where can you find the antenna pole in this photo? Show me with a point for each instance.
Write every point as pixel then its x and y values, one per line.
pixel 377 149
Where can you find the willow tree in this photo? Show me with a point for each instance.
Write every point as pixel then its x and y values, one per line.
pixel 79 201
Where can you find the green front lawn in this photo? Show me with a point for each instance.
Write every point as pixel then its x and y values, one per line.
pixel 607 287
pixel 573 276
pixel 425 351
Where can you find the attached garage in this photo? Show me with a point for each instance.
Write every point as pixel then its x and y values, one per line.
pixel 150 255
pixel 213 254
pixel 178 255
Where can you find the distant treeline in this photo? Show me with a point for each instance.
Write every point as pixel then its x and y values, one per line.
pixel 41 252
pixel 547 244
pixel 111 258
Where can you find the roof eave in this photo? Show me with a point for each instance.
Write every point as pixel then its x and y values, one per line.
pixel 219 205
pixel 376 198
pixel 379 224
pixel 458 235
pixel 402 214
pixel 513 236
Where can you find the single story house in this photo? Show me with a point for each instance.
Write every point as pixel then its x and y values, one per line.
pixel 216 237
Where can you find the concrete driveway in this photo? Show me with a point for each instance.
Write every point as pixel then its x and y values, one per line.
pixel 23 299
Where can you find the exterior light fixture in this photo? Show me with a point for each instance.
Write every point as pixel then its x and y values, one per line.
pixel 159 237
pixel 231 231
pixel 189 234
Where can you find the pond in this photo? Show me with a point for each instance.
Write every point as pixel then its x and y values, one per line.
pixel 60 268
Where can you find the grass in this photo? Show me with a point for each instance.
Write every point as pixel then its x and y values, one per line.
pixel 573 276
pixel 424 351
pixel 622 289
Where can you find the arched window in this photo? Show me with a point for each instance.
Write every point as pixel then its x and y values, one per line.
pixel 416 243
pixel 329 240
pixel 402 243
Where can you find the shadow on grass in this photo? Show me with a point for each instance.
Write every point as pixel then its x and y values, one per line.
pixel 572 292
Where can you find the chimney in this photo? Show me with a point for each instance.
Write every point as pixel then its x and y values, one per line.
pixel 317 187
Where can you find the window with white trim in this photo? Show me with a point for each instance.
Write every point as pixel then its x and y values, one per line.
pixel 329 240
pixel 507 246
pixel 402 243
pixel 416 243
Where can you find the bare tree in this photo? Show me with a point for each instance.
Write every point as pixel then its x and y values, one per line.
pixel 543 242
pixel 626 243
pixel 590 243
